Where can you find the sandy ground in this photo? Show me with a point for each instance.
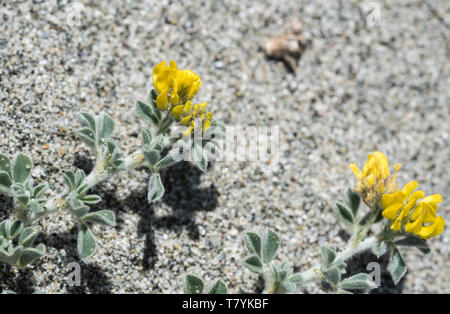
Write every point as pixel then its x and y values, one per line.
pixel 358 88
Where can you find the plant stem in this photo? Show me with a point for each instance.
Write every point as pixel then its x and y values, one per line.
pixel 59 202
pixel 351 250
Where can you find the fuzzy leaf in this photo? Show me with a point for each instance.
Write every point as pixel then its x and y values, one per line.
pixel 254 264
pixel 86 242
pixel 5 179
pixel 328 254
pixel 345 214
pixel 353 201
pixel 146 137
pixel 379 249
pixel 87 136
pixel 5 164
pixel 21 168
pixel 219 287
pixel 155 188
pixel 29 255
pixel 358 282
pixel 295 278
pixel 167 161
pixel 198 158
pixel 253 243
pixel 146 112
pixel 152 156
pixel 270 246
pixel 27 237
pixel 14 229
pixel 397 267
pixel 105 129
pixel 87 121
pixel 91 199
pixel 332 275
pixel 193 285
pixel 104 217
pixel 414 241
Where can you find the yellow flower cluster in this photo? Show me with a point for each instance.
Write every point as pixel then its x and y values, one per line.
pixel 375 178
pixel 407 209
pixel 175 90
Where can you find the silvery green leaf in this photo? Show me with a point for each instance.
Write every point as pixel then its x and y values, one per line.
pixel 78 208
pixel 27 237
pixel 328 254
pixel 146 112
pixel 288 286
pixel 105 129
pixel 270 246
pixel 91 199
pixel 253 243
pixel 414 241
pixel 193 285
pixel 21 168
pixel 69 178
pixel 360 281
pixel 39 190
pixel 353 200
pixel 3 228
pixel 5 164
pixel 295 278
pixel 79 177
pixel 5 179
pixel 379 249
pixel 157 143
pixel 146 137
pixel 198 158
pixel 86 242
pixel 11 257
pixel 152 156
pixel 13 229
pixel 167 161
pixel 397 267
pixel 342 267
pixel 155 188
pixel 104 217
pixel 87 121
pixel 219 287
pixel 254 264
pixel 36 207
pixel 332 275
pixel 345 214
pixel 82 189
pixel 87 135
pixel 29 255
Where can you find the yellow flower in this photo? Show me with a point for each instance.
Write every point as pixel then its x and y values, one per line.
pixel 174 85
pixel 375 179
pixel 188 113
pixel 405 210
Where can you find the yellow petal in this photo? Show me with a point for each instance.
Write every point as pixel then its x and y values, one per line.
pixel 409 187
pixel 162 101
pixel 177 111
pixel 391 212
pixel 415 226
pixel 187 107
pixel 435 198
pixel 185 120
pixel 432 230
pixel 382 163
pixel 206 125
pixel 356 170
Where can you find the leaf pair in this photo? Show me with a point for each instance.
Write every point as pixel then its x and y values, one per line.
pixel 23 253
pixel 194 285
pixel 17 171
pixel 262 250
